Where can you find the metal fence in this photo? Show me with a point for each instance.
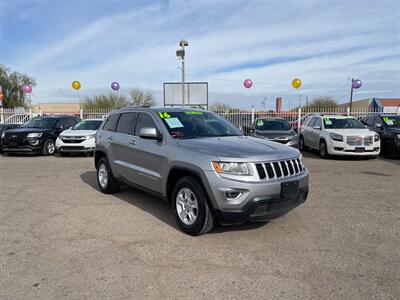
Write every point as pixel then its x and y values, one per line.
pixel 240 118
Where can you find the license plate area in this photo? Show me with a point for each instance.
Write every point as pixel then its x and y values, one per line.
pixel 289 188
pixel 359 149
pixel 12 144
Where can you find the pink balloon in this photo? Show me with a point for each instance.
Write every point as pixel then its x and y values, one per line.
pixel 248 83
pixel 27 89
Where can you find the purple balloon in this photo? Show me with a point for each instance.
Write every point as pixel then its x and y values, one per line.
pixel 115 86
pixel 248 83
pixel 27 89
pixel 356 83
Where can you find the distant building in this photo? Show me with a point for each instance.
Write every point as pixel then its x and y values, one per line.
pixel 72 108
pixel 387 105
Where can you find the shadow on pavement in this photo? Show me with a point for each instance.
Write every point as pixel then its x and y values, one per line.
pixel 156 206
pixel 148 203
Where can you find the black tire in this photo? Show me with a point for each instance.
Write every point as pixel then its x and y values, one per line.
pixel 302 145
pixel 204 221
pixel 389 150
pixel 49 147
pixel 323 150
pixel 110 185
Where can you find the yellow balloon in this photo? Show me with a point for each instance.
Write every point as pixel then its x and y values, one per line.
pixel 76 85
pixel 296 83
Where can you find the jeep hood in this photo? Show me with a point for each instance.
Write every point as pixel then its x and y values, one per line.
pixel 239 148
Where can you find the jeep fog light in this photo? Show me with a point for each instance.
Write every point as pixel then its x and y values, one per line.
pixel 233 194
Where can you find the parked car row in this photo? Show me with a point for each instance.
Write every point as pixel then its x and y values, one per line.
pixel 47 134
pixel 335 134
pixel 206 168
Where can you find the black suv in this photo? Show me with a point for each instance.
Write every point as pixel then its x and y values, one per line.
pixel 37 136
pixel 388 128
pixel 4 127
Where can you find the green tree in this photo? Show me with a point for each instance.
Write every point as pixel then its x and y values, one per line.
pixel 323 103
pixel 141 98
pixel 110 101
pixel 11 83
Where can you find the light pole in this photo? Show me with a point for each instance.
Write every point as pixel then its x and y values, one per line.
pixel 181 54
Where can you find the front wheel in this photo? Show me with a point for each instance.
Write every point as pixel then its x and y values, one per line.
pixel 389 150
pixel 49 147
pixel 323 150
pixel 190 207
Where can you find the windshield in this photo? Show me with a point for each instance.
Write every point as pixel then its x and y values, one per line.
pixel 193 124
pixel 392 122
pixel 272 124
pixel 43 123
pixel 88 125
pixel 342 123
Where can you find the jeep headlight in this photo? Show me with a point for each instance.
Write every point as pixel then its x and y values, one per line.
pixel 376 137
pixel 336 137
pixel 34 135
pixel 233 168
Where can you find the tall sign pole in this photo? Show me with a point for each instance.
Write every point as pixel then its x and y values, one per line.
pixel 181 54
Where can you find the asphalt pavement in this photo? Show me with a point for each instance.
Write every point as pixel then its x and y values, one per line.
pixel 60 238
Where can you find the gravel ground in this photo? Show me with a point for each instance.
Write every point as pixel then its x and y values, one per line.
pixel 61 238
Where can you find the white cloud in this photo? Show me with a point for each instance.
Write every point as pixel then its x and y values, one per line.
pixel 323 44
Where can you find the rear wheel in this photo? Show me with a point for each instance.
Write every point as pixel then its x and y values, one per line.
pixel 190 206
pixel 49 147
pixel 105 178
pixel 323 150
pixel 302 145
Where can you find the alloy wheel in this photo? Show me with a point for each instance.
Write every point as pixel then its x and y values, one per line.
pixel 187 206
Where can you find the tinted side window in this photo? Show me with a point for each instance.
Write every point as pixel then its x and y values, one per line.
pixel 318 122
pixel 312 122
pixel 70 122
pixel 377 120
pixel 111 123
pixel 126 123
pixel 144 120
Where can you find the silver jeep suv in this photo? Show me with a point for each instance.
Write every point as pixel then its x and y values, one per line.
pixel 201 164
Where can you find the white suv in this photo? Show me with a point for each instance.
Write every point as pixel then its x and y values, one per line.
pixel 80 138
pixel 338 135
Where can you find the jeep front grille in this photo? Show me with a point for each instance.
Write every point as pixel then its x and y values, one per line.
pixel 279 169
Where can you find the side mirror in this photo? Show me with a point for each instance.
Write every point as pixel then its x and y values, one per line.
pixel 377 125
pixel 250 131
pixel 150 133
pixel 317 127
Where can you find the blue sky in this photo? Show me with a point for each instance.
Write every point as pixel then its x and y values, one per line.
pixel 134 42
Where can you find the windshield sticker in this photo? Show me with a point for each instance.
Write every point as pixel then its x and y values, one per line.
pixel 164 115
pixel 260 122
pixel 328 121
pixel 173 123
pixel 388 121
pixel 194 113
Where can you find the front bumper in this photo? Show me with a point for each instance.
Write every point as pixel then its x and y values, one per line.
pixel 83 147
pixel 343 149
pixel 24 146
pixel 261 200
